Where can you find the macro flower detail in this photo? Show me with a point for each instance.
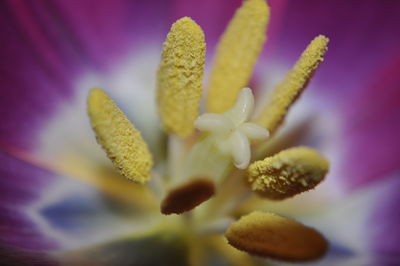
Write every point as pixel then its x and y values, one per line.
pixel 287 173
pixel 291 87
pixel 231 132
pixel 199 165
pixel 237 52
pixel 267 234
pixel 179 77
pixel 119 138
pixel 192 133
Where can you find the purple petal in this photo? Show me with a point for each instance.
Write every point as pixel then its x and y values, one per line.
pixel 384 224
pixel 42 211
pixel 357 83
pixel 372 128
pixel 363 35
pixel 30 83
pixel 212 16
pixel 362 226
pixel 21 184
pixel 106 30
pixel 10 255
pixel 48 45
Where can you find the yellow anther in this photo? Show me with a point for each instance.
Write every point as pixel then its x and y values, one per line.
pixel 269 235
pixel 119 138
pixel 287 173
pixel 179 78
pixel 236 55
pixel 286 93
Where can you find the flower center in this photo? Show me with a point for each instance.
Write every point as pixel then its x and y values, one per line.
pixel 210 165
pixel 231 132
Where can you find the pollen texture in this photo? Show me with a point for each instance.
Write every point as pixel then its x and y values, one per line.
pixel 269 235
pixel 287 173
pixel 179 77
pixel 236 55
pixel 119 138
pixel 286 93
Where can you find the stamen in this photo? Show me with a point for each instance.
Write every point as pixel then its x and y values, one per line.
pixel 188 196
pixel 287 173
pixel 286 93
pixel 122 142
pixel 237 52
pixel 269 235
pixel 179 78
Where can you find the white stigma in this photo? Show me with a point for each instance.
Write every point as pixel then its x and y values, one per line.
pixel 231 131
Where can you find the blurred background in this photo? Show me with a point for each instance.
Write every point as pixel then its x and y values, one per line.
pixel 61 201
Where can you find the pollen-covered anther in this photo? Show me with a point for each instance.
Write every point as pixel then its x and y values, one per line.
pixel 287 173
pixel 236 55
pixel 269 235
pixel 188 196
pixel 286 92
pixel 179 77
pixel 122 142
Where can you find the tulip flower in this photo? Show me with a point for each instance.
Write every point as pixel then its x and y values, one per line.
pixel 199 132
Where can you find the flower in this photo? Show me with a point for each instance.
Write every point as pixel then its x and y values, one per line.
pixel 61 201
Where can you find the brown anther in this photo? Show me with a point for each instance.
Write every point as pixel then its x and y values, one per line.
pixel 188 196
pixel 269 235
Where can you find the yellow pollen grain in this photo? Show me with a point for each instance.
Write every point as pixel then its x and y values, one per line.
pixel 269 235
pixel 287 173
pixel 286 92
pixel 236 54
pixel 179 77
pixel 121 141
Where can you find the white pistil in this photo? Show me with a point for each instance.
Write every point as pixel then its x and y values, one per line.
pixel 231 132
pixel 214 123
pixel 254 131
pixel 243 108
pixel 240 149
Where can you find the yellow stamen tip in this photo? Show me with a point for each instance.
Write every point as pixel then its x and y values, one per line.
pixel 286 93
pixel 236 55
pixel 269 235
pixel 118 137
pixel 287 173
pixel 179 78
